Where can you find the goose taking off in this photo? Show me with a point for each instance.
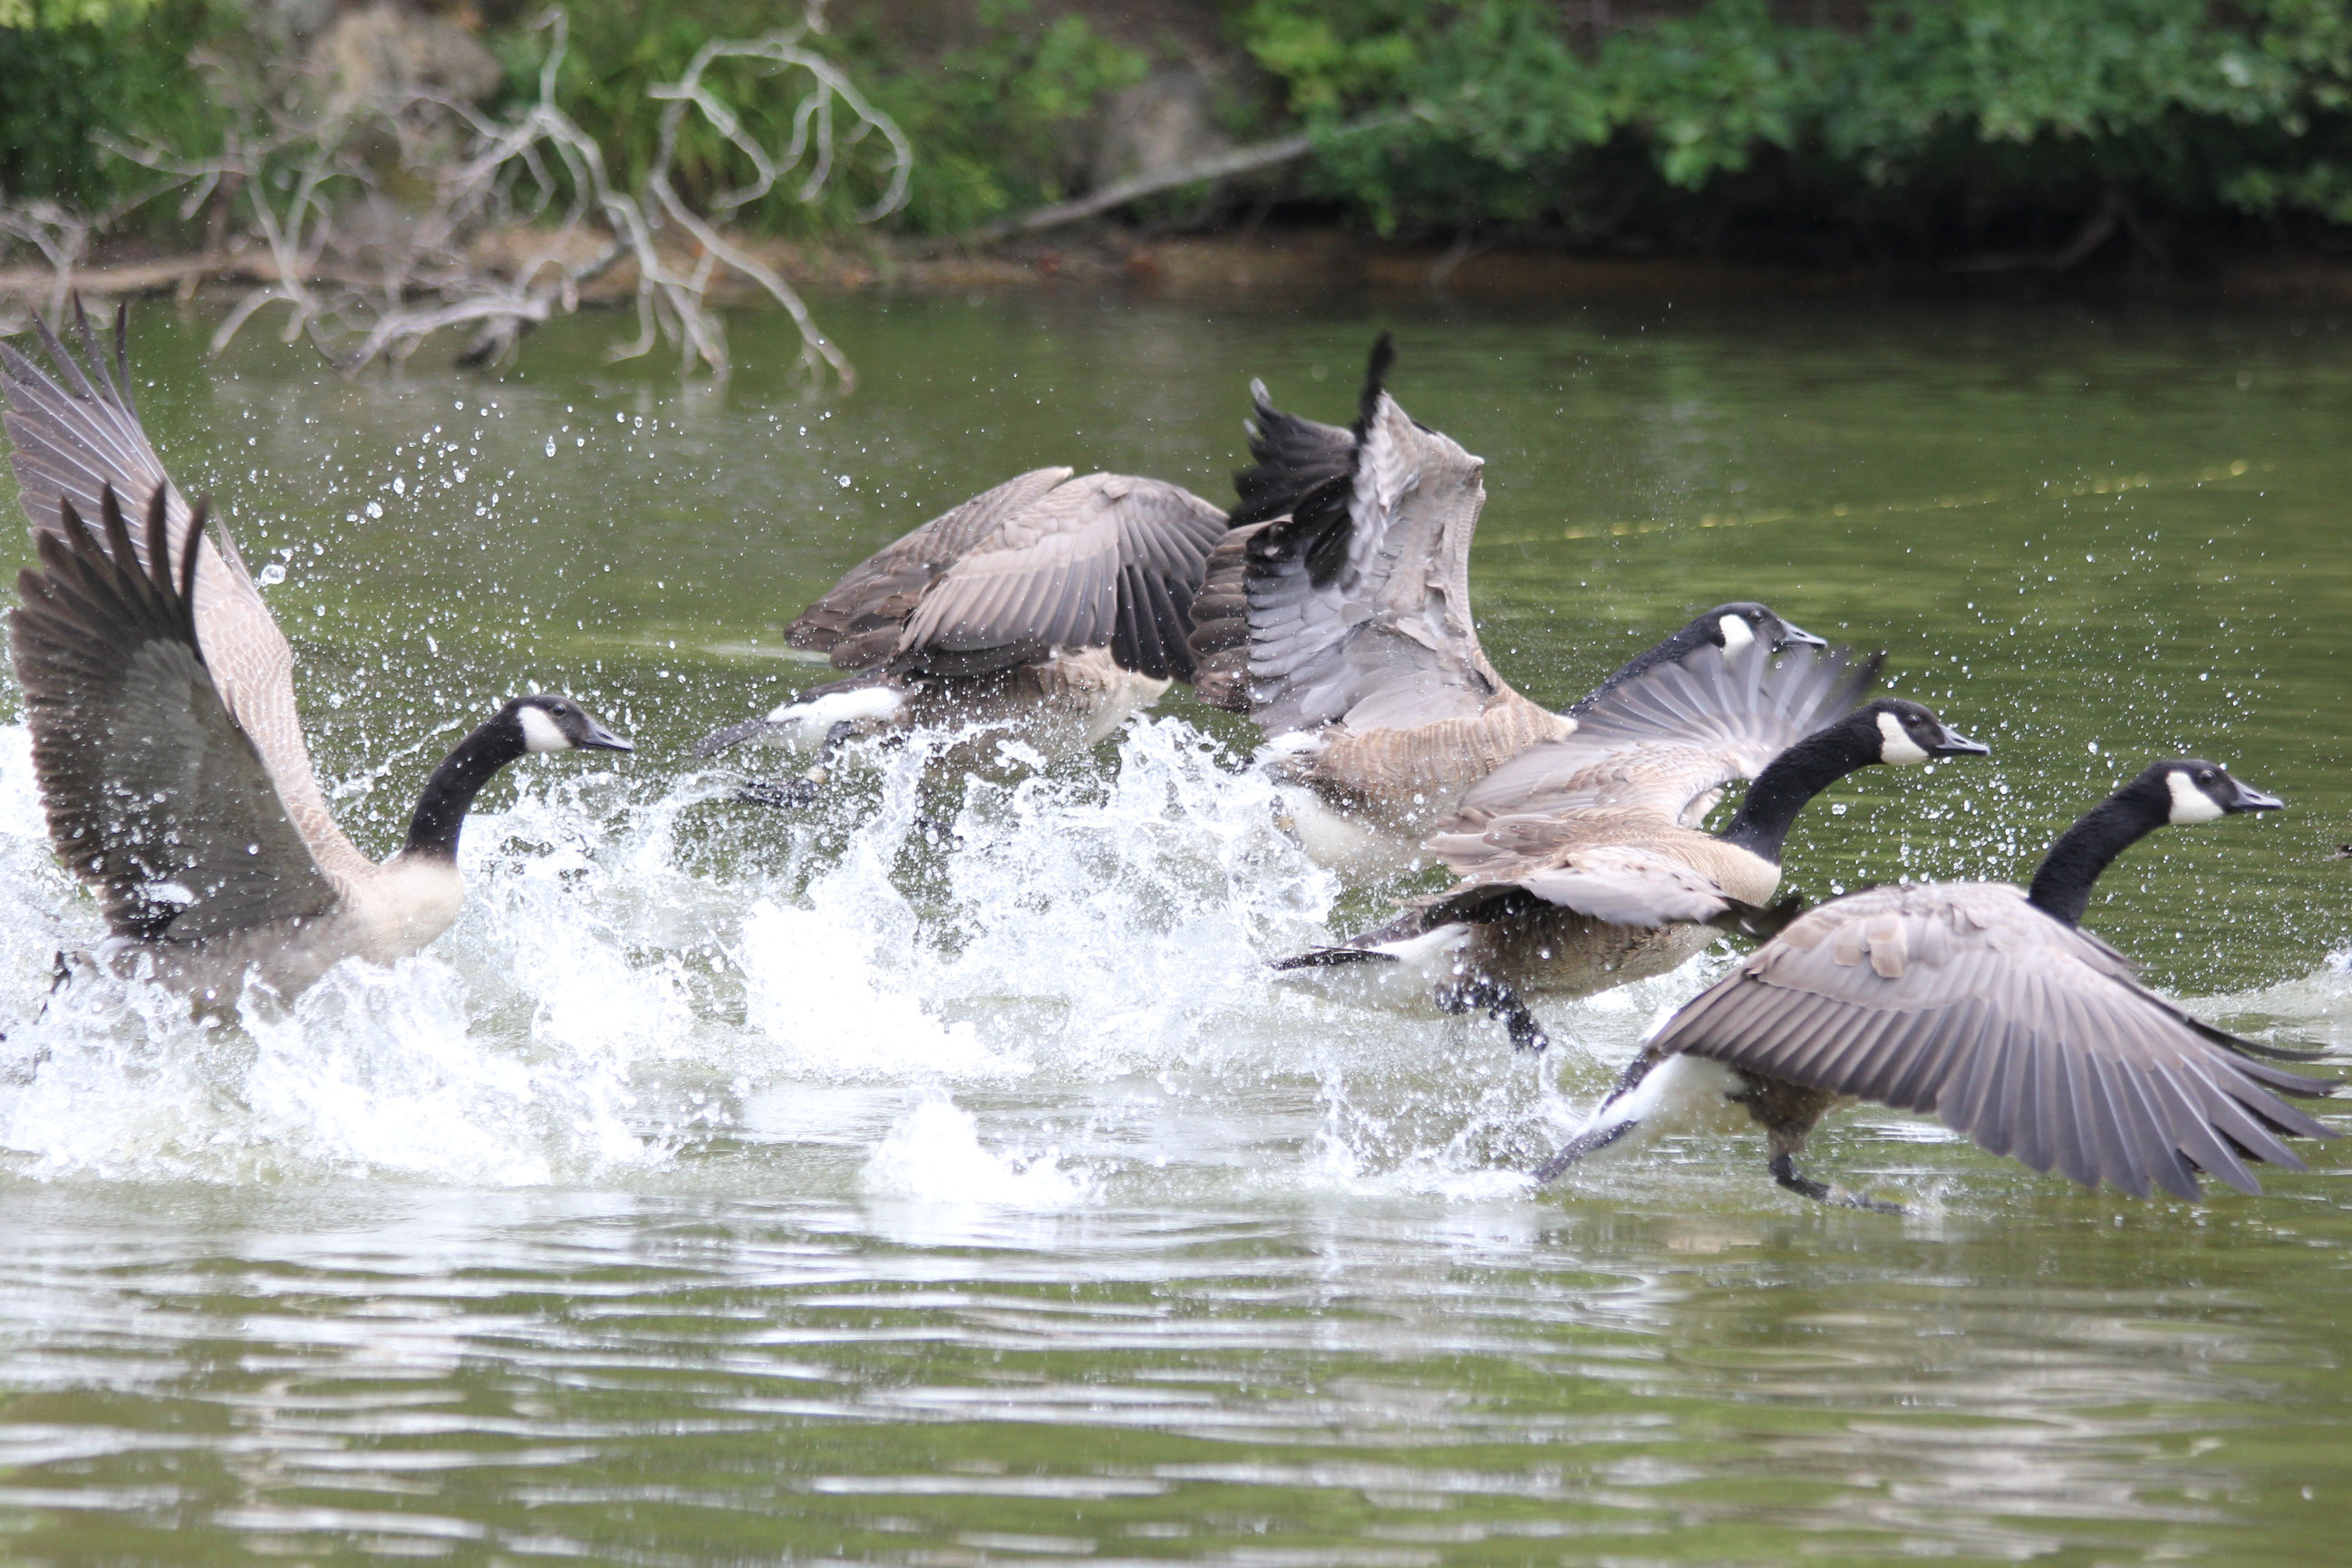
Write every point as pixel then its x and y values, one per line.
pixel 1050 606
pixel 1336 614
pixel 1601 875
pixel 1990 1009
pixel 160 698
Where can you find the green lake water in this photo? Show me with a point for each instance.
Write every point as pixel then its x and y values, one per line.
pixel 742 1186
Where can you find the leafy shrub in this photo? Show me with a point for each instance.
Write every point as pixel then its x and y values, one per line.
pixel 78 69
pixel 1932 121
pixel 2191 106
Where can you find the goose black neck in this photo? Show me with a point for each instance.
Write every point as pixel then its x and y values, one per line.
pixel 1796 775
pixel 2062 888
pixel 449 792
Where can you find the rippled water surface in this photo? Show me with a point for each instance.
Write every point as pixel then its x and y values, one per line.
pixel 936 1178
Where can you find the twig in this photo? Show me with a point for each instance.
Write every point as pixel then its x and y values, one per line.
pixel 368 278
pixel 1219 167
pixel 60 234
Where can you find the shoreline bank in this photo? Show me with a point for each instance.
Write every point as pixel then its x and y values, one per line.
pixel 1303 263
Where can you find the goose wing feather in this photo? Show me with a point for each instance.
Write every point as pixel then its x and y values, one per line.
pixel 1043 561
pixel 1219 645
pixel 157 796
pixel 74 437
pixel 1671 736
pixel 2030 1037
pixel 860 618
pixel 1359 596
pixel 1622 884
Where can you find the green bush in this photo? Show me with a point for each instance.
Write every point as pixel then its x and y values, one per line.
pixel 78 69
pixel 2181 103
pixel 994 122
pixel 1932 121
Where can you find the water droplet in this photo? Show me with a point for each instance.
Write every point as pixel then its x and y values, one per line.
pixel 271 576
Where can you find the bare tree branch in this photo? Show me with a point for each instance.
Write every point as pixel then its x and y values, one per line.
pixel 365 277
pixel 1119 193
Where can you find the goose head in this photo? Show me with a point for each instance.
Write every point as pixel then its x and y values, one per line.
pixel 1898 732
pixel 2189 789
pixel 547 722
pixel 1735 625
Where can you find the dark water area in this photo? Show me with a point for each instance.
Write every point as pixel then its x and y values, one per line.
pixel 743 1185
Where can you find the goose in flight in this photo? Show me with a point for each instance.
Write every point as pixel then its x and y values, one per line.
pixel 160 694
pixel 1991 1009
pixel 1050 607
pixel 1337 614
pixel 1582 865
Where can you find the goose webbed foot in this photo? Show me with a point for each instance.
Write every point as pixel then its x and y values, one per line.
pixel 1784 1171
pixel 1476 993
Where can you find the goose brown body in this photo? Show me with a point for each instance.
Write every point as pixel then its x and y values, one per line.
pixel 1050 608
pixel 1582 864
pixel 1990 1009
pixel 159 693
pixel 1337 614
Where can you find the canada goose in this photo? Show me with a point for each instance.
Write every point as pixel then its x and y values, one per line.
pixel 1611 880
pixel 1050 606
pixel 1990 1008
pixel 160 698
pixel 1336 614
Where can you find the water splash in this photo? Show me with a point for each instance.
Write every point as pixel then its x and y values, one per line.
pixel 644 966
pixel 1036 990
pixel 935 1155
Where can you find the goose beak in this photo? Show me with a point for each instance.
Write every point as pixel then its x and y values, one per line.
pixel 1792 636
pixel 600 738
pixel 1955 745
pixel 2252 800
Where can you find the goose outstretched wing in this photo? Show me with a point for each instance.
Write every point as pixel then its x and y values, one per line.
pixel 2030 1037
pixel 73 439
pixel 1667 739
pixel 1357 585
pixel 1043 561
pixel 859 619
pixel 157 797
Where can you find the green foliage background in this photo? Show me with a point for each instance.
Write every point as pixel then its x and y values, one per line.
pixel 1926 111
pixel 71 70
pixel 1904 124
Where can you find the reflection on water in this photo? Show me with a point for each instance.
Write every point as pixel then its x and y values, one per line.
pixel 938 1178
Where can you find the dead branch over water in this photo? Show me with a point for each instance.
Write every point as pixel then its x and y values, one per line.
pixel 377 218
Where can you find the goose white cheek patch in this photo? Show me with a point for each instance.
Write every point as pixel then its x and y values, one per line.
pixel 539 733
pixel 1736 635
pixel 1896 745
pixel 2190 804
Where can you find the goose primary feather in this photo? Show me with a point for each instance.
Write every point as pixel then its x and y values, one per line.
pixel 159 695
pixel 1337 614
pixel 1991 1009
pixel 1051 606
